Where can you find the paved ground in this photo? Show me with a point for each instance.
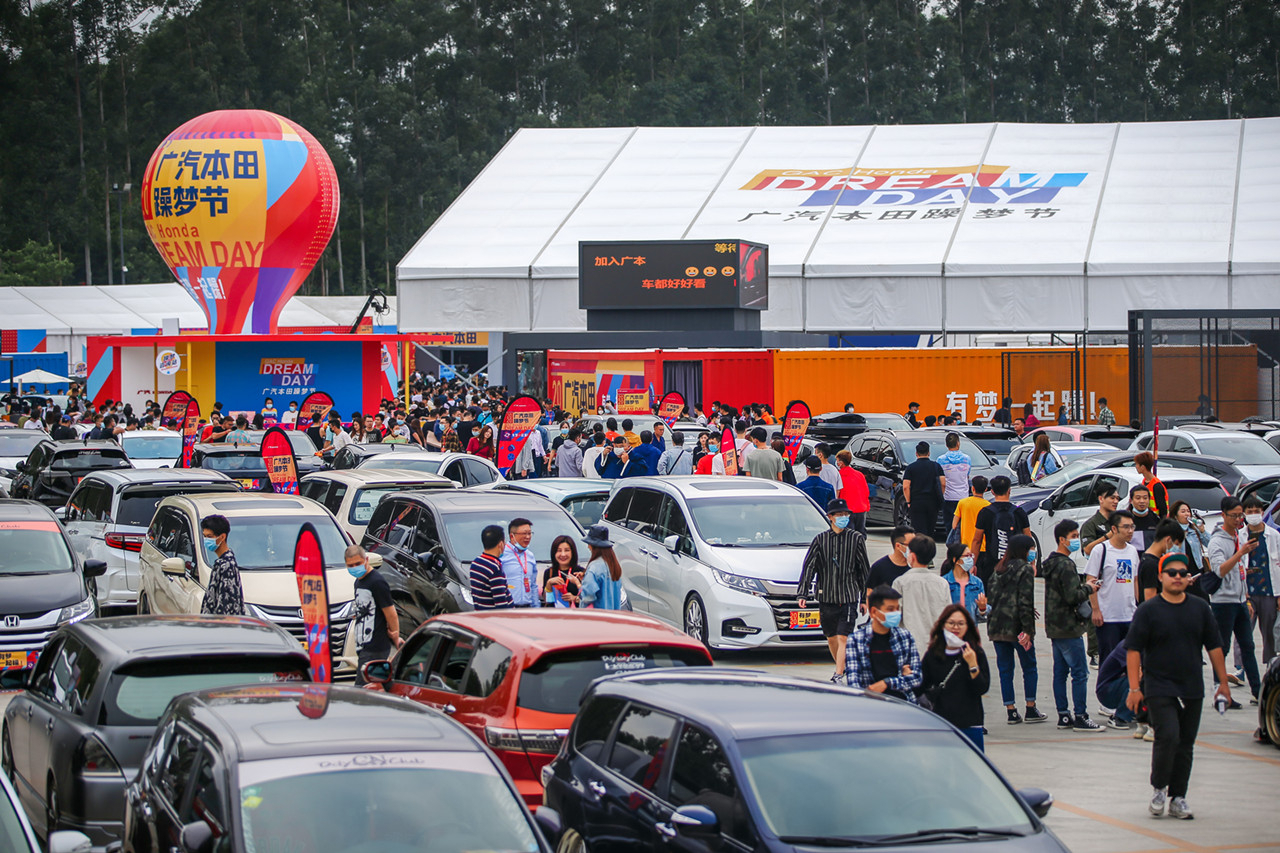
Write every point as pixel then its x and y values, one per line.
pixel 1099 781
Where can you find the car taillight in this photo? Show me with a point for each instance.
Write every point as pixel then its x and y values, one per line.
pixel 96 759
pixel 125 541
pixel 546 741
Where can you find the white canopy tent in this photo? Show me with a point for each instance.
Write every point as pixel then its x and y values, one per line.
pixel 962 228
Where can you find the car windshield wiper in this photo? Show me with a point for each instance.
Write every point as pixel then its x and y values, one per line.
pixel 826 840
pixel 947 834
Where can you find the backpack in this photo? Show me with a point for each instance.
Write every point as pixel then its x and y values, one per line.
pixel 1003 528
pixel 1023 471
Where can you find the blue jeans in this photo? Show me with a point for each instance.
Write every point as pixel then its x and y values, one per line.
pixel 974 733
pixel 1068 656
pixel 1004 662
pixel 1114 694
pixel 1234 619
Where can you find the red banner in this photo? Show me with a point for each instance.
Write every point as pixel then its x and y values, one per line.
pixel 175 408
pixel 794 425
pixel 190 432
pixel 729 450
pixel 633 402
pixel 313 594
pixel 282 467
pixel 670 408
pixel 316 401
pixel 519 419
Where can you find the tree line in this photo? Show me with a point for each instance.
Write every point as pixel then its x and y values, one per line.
pixel 412 97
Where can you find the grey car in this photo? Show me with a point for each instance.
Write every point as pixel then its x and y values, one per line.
pixel 582 497
pixel 76 734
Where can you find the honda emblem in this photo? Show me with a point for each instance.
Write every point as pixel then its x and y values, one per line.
pixel 12 621
pixel 301 615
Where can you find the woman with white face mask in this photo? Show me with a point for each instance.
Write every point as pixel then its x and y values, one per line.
pixel 966 587
pixel 954 672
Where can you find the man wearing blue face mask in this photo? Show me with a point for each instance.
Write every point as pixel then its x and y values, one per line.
pixel 1064 591
pixel 835 571
pixel 520 566
pixel 224 594
pixel 881 656
pixel 376 624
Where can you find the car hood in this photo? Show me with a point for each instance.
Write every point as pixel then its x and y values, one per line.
pixel 1257 472
pixel 1028 497
pixel 38 594
pixel 279 587
pixel 777 565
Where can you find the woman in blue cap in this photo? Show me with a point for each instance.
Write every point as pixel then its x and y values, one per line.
pixel 602 584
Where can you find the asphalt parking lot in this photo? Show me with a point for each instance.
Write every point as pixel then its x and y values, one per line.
pixel 1099 781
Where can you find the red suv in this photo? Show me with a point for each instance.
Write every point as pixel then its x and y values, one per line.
pixel 514 677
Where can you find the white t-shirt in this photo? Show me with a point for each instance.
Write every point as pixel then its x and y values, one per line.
pixel 1117 569
pixel 289 417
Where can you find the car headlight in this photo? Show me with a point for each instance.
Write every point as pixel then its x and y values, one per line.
pixel 76 612
pixel 256 612
pixel 345 611
pixel 466 595
pixel 738 582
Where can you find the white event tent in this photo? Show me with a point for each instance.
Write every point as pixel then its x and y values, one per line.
pixel 956 228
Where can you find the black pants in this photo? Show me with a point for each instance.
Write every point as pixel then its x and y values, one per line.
pixel 1176 723
pixel 924 517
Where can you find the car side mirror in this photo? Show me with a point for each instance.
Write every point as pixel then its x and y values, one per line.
pixel 1037 799
pixel 197 837
pixel 375 561
pixel 377 671
pixel 68 841
pixel 94 568
pixel 173 566
pixel 65 513
pixel 890 461
pixel 672 543
pixel 548 820
pixel 1046 504
pixel 698 823
pixel 21 465
pixel 14 679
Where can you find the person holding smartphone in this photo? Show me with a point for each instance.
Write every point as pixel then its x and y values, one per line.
pixel 1262 576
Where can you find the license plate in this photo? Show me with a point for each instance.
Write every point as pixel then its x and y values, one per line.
pixel 248 484
pixel 804 619
pixel 13 660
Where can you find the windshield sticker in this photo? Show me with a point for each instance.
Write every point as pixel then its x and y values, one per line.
pixel 29 525
pixel 372 759
pixel 624 661
pixel 251 799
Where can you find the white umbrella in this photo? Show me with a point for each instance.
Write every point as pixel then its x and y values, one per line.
pixel 39 377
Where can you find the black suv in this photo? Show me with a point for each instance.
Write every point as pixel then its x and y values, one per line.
pixel 319 767
pixel 881 455
pixel 53 468
pixel 836 428
pixel 427 540
pixel 719 759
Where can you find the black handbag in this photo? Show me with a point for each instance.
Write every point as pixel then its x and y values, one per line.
pixel 927 699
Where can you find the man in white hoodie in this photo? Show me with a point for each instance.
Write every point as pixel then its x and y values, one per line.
pixel 925 593
pixel 1229 559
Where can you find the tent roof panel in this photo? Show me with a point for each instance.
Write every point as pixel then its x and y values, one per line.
pixel 1256 248
pixel 155 303
pixel 84 310
pixel 19 312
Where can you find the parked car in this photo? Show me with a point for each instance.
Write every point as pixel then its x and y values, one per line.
pixel 17 836
pixel 1063 453
pixel 1251 453
pixel 152 448
pixel 77 733
pixel 428 539
pixel 837 428
pixel 1075 500
pixel 290 767
pixel 1267 489
pixel 15 446
pixel 1222 470
pixel 996 441
pixel 581 497
pixel 53 468
pixel 727 759
pixel 43 584
pixel 264 531
pixel 514 677
pixel 717 557
pixel 354 455
pixel 352 495
pixel 244 464
pixel 107 516
pixel 882 455
pixel 1119 437
pixel 1273 438
pixel 1269 703
pixel 469 471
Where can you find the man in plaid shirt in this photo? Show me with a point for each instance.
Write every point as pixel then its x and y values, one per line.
pixel 881 656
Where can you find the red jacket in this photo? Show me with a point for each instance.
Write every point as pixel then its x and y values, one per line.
pixel 853 490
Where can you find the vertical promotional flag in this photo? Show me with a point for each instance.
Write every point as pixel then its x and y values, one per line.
pixel 190 430
pixel 1155 444
pixel 670 408
pixel 729 449
pixel 519 419
pixel 175 408
pixel 794 424
pixel 282 467
pixel 316 401
pixel 313 593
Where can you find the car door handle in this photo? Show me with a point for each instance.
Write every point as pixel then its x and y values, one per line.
pixel 30 710
pixel 450 709
pixel 49 725
pixel 666 830
pixel 597 788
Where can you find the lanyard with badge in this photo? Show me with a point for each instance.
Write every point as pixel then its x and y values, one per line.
pixel 522 559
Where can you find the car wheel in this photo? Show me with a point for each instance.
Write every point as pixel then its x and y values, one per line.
pixel 901 517
pixel 6 759
pixel 52 811
pixel 1271 710
pixel 571 842
pixel 144 606
pixel 695 619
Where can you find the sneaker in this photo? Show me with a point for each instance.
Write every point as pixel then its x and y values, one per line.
pixel 1118 725
pixel 1093 661
pixel 837 678
pixel 1159 796
pixel 1064 720
pixel 1150 736
pixel 1234 706
pixel 1236 679
pixel 1033 715
pixel 1178 808
pixel 1105 711
pixel 1014 716
pixel 1084 724
pixel 1253 701
pixel 1140 731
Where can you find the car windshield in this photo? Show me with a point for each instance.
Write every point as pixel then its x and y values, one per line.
pixel 157 446
pixel 33 548
pixel 554 682
pixel 996 446
pixel 1241 450
pixel 1070 471
pixel 749 522
pixel 938 446
pixel 587 509
pixel 229 462
pixel 809 785
pixel 405 462
pixel 138 695
pixel 19 442
pixel 84 460
pixel 886 422
pixel 301 442
pixel 268 542
pixel 462 530
pixel 448 801
pixel 367 500
pixel 138 505
pixel 1203 497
